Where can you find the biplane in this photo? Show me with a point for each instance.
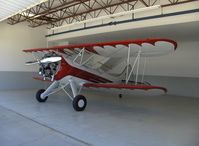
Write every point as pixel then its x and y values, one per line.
pixel 106 65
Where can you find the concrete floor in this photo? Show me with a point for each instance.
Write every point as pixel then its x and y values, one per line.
pixel 107 121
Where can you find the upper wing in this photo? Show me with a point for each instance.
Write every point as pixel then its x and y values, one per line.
pixel 106 55
pixel 148 47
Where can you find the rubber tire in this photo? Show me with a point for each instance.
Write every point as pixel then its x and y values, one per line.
pixel 76 100
pixel 120 96
pixel 38 96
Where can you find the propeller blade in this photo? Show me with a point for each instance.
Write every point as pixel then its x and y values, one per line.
pixel 50 59
pixel 45 60
pixel 32 62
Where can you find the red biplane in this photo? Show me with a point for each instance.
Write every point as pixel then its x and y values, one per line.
pixel 114 65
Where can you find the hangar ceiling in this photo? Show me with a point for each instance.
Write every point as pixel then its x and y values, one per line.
pixel 11 7
pixel 55 13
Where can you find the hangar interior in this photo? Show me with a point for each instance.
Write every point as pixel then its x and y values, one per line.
pixel 170 119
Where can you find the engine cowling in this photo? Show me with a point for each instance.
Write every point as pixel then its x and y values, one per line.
pixel 49 69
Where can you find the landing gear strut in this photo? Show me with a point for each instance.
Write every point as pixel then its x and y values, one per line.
pixel 71 88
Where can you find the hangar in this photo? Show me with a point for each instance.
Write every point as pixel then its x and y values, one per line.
pixel 129 69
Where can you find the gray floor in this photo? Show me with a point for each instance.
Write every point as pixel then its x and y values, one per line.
pixel 107 121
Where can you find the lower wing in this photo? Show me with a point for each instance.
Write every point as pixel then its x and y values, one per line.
pixel 124 86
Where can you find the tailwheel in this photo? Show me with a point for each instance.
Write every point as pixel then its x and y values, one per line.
pixel 38 96
pixel 79 103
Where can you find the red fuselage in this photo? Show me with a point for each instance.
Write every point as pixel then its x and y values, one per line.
pixel 66 69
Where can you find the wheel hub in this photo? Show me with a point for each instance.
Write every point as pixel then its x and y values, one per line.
pixel 81 103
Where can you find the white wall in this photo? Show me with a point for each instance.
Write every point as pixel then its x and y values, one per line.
pixel 15 38
pixel 184 62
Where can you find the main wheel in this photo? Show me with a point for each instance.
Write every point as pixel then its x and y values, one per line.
pixel 38 96
pixel 79 103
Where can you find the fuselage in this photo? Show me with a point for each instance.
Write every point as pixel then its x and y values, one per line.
pixel 68 68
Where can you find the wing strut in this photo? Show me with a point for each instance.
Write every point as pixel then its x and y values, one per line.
pixel 143 70
pixel 80 54
pixel 136 62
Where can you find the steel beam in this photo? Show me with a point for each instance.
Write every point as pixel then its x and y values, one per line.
pixel 58 12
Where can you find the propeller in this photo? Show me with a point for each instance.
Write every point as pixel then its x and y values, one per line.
pixel 44 60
